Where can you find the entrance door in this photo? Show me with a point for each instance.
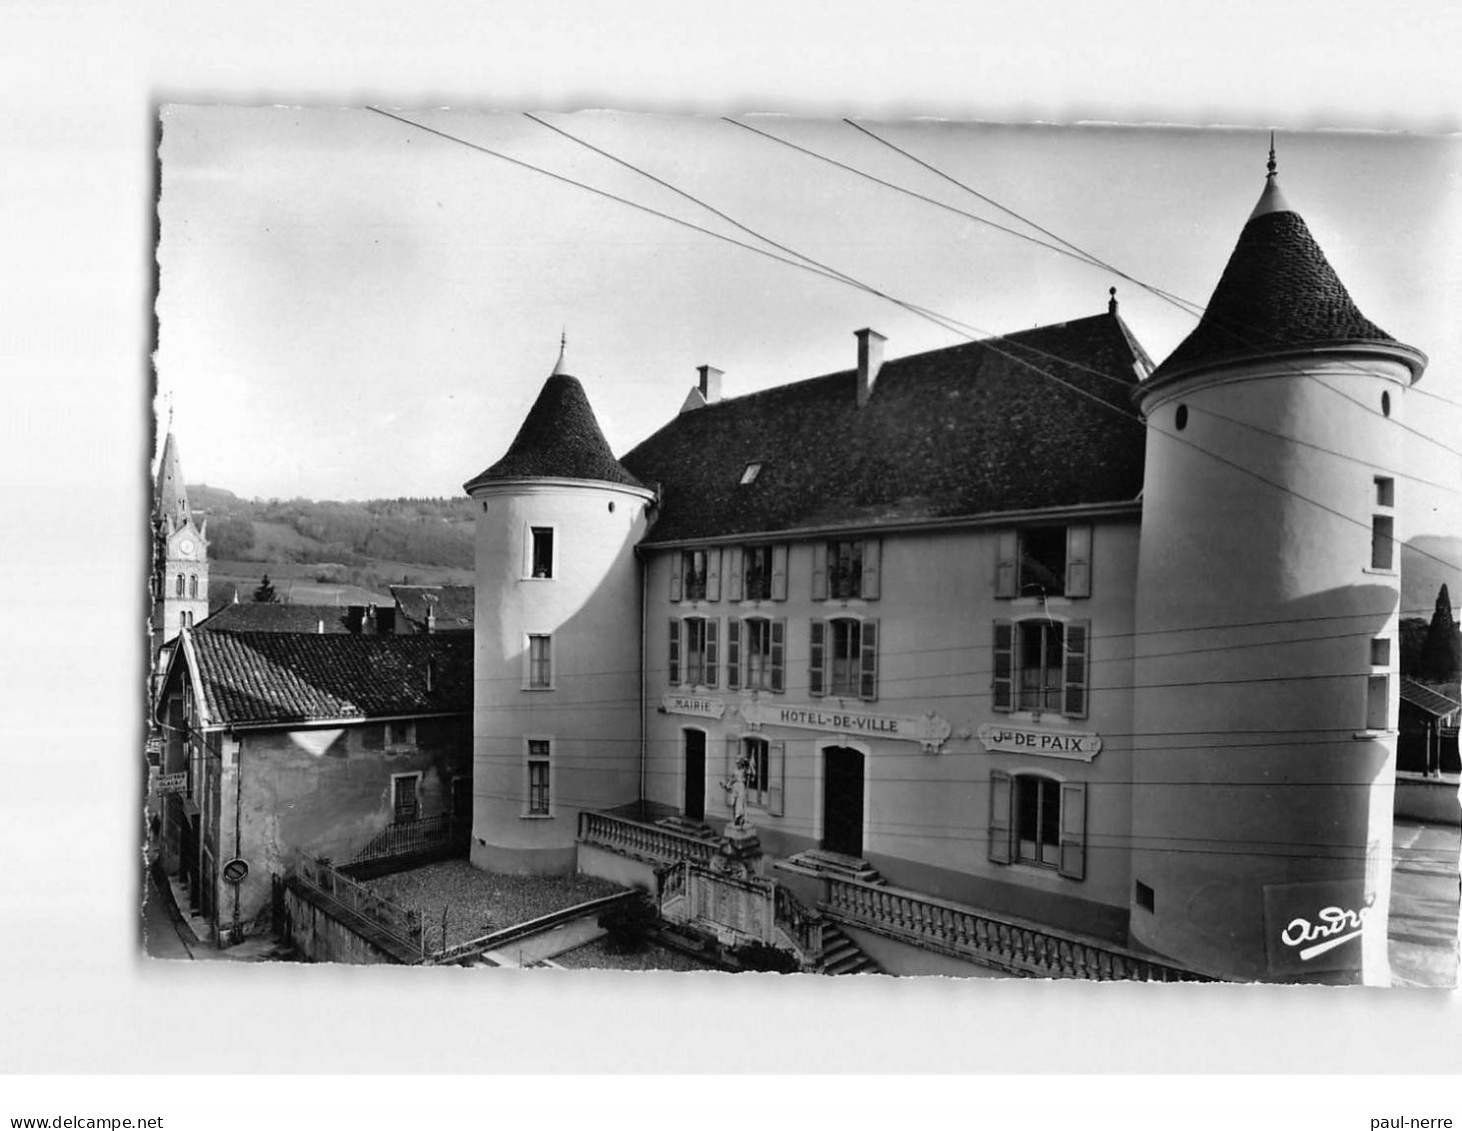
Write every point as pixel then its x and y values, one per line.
pixel 842 800
pixel 695 775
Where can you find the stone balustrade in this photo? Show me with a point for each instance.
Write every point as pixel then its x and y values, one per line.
pixel 642 841
pixel 1018 948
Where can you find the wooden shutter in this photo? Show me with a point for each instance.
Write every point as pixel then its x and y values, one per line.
pixel 733 653
pixel 733 749
pixel 1076 662
pixel 1073 830
pixel 872 553
pixel 734 569
pixel 676 561
pixel 674 652
pixel 868 657
pixel 815 666
pixel 779 572
pixel 1000 800
pixel 1006 549
pixel 1003 682
pixel 776 775
pixel 712 626
pixel 819 571
pixel 1078 560
pixel 779 648
pixel 713 573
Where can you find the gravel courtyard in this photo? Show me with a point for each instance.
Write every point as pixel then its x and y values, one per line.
pixel 478 902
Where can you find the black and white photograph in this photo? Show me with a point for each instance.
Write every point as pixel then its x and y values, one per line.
pixel 824 546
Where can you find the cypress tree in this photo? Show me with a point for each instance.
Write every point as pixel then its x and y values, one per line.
pixel 1441 655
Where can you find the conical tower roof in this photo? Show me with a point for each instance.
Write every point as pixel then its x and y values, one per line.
pixel 171 498
pixel 560 439
pixel 1277 294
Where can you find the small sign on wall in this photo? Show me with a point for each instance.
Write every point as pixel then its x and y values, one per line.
pixel 1080 746
pixel 1315 926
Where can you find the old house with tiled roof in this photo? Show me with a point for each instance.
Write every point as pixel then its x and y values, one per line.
pixel 999 655
pixel 350 747
pixel 434 608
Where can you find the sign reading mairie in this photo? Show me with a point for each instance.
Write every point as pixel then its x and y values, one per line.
pixel 929 731
pixel 1079 746
pixel 693 705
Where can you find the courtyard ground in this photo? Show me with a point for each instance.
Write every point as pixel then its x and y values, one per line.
pixel 476 903
pixel 1424 904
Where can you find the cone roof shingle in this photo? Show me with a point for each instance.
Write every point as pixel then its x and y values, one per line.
pixel 560 439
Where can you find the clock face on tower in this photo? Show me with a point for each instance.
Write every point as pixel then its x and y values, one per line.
pixel 186 545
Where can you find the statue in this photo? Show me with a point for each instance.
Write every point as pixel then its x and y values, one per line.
pixel 736 793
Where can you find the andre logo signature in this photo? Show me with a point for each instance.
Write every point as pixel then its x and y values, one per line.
pixel 1332 927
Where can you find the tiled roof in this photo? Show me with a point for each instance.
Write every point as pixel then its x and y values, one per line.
pixel 454 605
pixel 1277 292
pixel 259 616
pixel 1430 700
pixel 283 677
pixel 559 439
pixel 972 429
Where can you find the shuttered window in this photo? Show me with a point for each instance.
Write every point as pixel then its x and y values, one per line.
pixel 816 672
pixel 674 652
pixel 1039 821
pixel 1077 665
pixel 1041 665
pixel 1000 817
pixel 1078 560
pixel 699 635
pixel 1044 561
pixel 779 572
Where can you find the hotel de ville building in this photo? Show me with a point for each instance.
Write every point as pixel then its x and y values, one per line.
pixel 1025 653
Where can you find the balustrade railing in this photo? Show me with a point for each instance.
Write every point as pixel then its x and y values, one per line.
pixel 801 926
pixel 401 923
pixel 1018 948
pixel 648 842
pixel 430 834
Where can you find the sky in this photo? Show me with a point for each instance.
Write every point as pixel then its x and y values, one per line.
pixel 352 307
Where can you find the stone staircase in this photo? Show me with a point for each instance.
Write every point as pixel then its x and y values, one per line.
pixel 836 864
pixel 840 954
pixel 697 829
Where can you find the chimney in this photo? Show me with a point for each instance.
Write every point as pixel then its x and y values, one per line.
pixel 870 361
pixel 431 674
pixel 431 618
pixel 320 627
pixel 710 385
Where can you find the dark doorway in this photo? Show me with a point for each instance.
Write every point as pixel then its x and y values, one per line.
pixel 842 800
pixel 695 775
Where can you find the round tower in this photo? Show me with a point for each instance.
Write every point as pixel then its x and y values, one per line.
pixel 556 719
pixel 1265 671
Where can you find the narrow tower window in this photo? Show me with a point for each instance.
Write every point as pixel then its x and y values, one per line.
pixel 542 551
pixel 1382 541
pixel 1385 491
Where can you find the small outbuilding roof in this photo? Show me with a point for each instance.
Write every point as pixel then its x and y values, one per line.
pixel 454 606
pixel 261 616
pixel 281 678
pixel 1427 699
pixel 1037 419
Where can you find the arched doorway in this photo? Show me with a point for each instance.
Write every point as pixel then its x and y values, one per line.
pixel 842 800
pixel 694 802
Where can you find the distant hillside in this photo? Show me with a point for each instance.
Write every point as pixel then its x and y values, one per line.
pixel 1426 565
pixel 348 551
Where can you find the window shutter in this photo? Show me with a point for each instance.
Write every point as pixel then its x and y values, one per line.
pixel 1073 830
pixel 779 648
pixel 713 574
pixel 999 817
pixel 733 653
pixel 676 560
pixel 819 571
pixel 734 569
pixel 871 555
pixel 1077 662
pixel 779 572
pixel 814 674
pixel 674 652
pixel 1078 560
pixel 776 773
pixel 712 624
pixel 733 748
pixel 1002 684
pixel 1005 561
pixel 868 648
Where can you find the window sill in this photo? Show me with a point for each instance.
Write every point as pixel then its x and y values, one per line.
pixel 531 578
pixel 1375 734
pixel 535 816
pixel 1378 572
pixel 550 687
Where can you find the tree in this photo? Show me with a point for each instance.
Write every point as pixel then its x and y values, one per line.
pixel 1441 655
pixel 265 592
